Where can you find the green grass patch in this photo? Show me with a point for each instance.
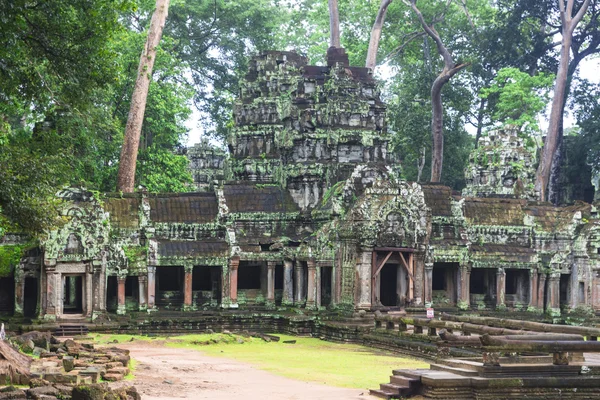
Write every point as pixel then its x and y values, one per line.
pixel 132 367
pixel 309 359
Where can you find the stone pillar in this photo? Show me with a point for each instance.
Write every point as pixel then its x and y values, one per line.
pixel 19 292
pixel 541 290
pixel 271 283
pixel 311 297
pixel 53 283
pixel 187 288
pixel 500 288
pixel 151 288
pixel 419 273
pixel 364 269
pixel 121 295
pixel 88 298
pixel 299 283
pixel 143 291
pixel 288 283
pixel 428 284
pixel 553 297
pixel 234 263
pixel 464 287
pixel 574 286
pixel 533 288
pixel 400 285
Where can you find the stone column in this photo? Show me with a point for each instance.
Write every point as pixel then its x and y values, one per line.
pixel 311 298
pixel 187 288
pixel 121 295
pixel 553 306
pixel 428 284
pixel 364 269
pixel 271 283
pixel 19 292
pixel 299 284
pixel 533 288
pixel 89 291
pixel 53 292
pixel 464 291
pixel 151 288
pixel 574 286
pixel 288 283
pixel 400 285
pixel 500 288
pixel 541 289
pixel 143 291
pixel 234 263
pixel 419 272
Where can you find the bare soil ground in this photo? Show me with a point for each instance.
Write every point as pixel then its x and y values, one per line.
pixel 165 373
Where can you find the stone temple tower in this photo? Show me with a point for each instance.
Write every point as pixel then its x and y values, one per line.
pixel 503 165
pixel 306 127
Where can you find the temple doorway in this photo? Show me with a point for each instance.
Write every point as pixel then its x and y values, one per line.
pixel 392 277
pixel 517 287
pixel 326 285
pixel 30 297
pixel 483 288
pixel 443 283
pixel 72 294
pixel 206 285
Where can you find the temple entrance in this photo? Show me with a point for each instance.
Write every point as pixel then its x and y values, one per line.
pixel 7 295
pixel 392 277
pixel 112 287
pixel 483 288
pixel 565 289
pixel 169 287
pixel 250 282
pixel 72 294
pixel 326 282
pixel 517 287
pixel 132 292
pixel 206 285
pixel 278 284
pixel 30 297
pixel 443 283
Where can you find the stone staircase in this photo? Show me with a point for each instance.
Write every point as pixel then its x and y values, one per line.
pixel 403 383
pixel 70 330
pixel 533 377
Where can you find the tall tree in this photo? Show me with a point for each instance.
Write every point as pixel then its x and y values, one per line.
pixel 128 160
pixel 334 24
pixel 569 20
pixel 376 34
pixel 450 69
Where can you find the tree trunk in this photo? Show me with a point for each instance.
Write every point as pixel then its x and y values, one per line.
pixel 437 118
pixel 334 24
pixel 376 34
pixel 128 160
pixel 551 143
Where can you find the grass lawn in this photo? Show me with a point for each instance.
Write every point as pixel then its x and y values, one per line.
pixel 309 359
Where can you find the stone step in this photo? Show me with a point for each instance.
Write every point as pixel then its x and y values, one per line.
pixel 454 370
pixel 391 388
pixel 383 394
pixel 405 381
pixel 71 330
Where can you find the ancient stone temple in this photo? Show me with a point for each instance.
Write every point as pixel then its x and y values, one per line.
pixel 307 209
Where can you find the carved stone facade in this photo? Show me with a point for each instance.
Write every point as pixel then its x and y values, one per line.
pixel 308 210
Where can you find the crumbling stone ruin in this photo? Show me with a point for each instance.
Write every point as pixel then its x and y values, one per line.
pixel 307 210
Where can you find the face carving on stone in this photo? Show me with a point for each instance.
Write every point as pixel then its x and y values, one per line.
pixel 74 245
pixel 392 233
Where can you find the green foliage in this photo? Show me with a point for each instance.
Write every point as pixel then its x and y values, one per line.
pixel 518 98
pixel 10 256
pixel 135 253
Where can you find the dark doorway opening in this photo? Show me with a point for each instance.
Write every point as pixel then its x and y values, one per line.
pixel 483 287
pixel 201 279
pixel 443 285
pixel 517 287
pixel 132 291
pixel 7 295
pixel 73 294
pixel 388 285
pixel 30 299
pixel 249 277
pixel 565 289
pixel 169 278
pixel 278 284
pixel 326 278
pixel 112 286
pixel 206 284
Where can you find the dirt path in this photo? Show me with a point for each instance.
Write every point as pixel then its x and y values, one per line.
pixel 164 373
